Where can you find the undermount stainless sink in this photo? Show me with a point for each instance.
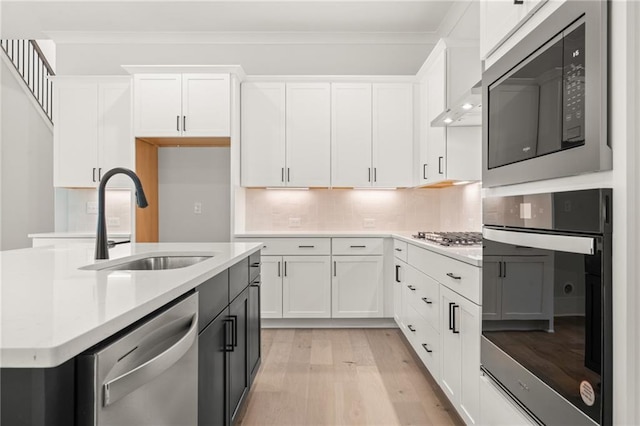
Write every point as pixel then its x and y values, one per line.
pixel 155 263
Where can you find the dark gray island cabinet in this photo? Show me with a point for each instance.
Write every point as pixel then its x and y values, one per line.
pixel 228 359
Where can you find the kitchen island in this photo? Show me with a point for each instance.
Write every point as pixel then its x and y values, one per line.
pixel 56 305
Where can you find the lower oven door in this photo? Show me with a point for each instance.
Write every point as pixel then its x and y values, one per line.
pixel 546 323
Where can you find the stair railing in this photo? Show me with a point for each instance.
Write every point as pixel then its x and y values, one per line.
pixel 32 65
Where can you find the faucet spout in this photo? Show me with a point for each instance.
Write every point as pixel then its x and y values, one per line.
pixel 102 250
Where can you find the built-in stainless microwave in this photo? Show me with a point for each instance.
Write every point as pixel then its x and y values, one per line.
pixel 545 101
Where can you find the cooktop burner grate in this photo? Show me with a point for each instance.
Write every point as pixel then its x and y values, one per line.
pixel 451 238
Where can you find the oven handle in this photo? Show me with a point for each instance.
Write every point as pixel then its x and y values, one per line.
pixel 567 243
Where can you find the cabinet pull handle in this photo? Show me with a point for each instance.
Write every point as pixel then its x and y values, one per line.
pixel 278 269
pixel 285 268
pixel 228 347
pixel 94 174
pixel 288 174
pixel 499 269
pixel 99 174
pixel 455 277
pixel 410 327
pixel 335 269
pixel 375 174
pixel 426 348
pixel 184 123
pixel 255 265
pixel 427 301
pixel 282 175
pixel 177 122
pixel 455 329
pixel 504 269
pixel 306 246
pixel 412 288
pixel 369 174
pixel 450 315
pixel 397 249
pixel 518 1
pixel 397 273
pixel 358 246
pixel 440 164
pixel 234 336
pixel 424 171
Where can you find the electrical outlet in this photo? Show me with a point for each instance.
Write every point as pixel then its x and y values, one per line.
pixel 92 207
pixel 294 222
pixel 197 207
pixel 113 221
pixel 369 223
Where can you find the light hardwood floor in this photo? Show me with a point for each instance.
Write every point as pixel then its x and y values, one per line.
pixel 342 377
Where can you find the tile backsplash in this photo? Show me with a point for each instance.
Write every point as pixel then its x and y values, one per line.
pixel 76 210
pixel 452 208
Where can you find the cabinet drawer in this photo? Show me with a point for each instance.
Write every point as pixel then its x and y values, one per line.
pixel 213 298
pixel 357 246
pixel 426 343
pixel 293 246
pixel 458 276
pixel 254 266
pixel 400 249
pixel 238 278
pixel 425 298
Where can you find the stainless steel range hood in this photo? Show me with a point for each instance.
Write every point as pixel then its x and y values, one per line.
pixel 467 111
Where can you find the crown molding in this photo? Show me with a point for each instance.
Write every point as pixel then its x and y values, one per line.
pixel 228 37
pixel 194 69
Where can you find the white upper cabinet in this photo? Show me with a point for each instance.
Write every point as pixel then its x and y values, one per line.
pixel 448 153
pixel 500 18
pixel 351 128
pixel 308 134
pixel 392 134
pixel 263 134
pixel 170 105
pixel 92 133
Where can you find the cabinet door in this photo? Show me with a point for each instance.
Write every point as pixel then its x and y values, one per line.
pixel 262 148
pixel 212 364
pixel 399 273
pixel 238 357
pixel 470 330
pixel 351 135
pixel 527 288
pixel 306 287
pixel 271 287
pixel 436 103
pixel 308 130
pixel 491 288
pixel 75 134
pixel 157 104
pixel 115 141
pixel 253 328
pixel 205 105
pixel 357 287
pixel 497 19
pixel 450 379
pixel 392 135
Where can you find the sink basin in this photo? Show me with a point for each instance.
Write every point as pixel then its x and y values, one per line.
pixel 156 263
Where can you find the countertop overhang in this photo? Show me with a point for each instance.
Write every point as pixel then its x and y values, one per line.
pixel 51 310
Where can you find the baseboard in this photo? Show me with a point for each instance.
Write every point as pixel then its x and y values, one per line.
pixel 328 323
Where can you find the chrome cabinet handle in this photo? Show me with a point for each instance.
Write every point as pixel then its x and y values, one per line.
pixel 426 348
pixel 427 301
pixel 455 277
pixel 135 378
pixel 410 327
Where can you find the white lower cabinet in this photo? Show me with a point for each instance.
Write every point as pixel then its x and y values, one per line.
pixel 306 287
pixel 461 353
pixel 271 287
pixel 357 287
pixel 496 409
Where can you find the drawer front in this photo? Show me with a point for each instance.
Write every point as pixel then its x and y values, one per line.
pixel 254 266
pixel 426 343
pixel 213 298
pixel 426 297
pixel 400 249
pixel 357 246
pixel 238 278
pixel 293 246
pixel 460 277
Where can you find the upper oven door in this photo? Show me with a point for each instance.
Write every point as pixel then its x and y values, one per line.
pixel 544 102
pixel 542 303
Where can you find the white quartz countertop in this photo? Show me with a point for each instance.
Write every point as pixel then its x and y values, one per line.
pixel 51 311
pixel 78 235
pixel 470 255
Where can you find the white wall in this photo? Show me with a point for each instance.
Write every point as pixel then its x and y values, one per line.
pixel 304 59
pixel 26 142
pixel 187 176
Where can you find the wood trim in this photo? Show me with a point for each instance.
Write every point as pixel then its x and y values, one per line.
pixel 175 142
pixel 147 171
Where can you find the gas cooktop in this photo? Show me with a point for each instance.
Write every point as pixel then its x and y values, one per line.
pixel 455 239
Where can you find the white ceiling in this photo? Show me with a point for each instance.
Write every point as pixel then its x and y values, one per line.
pixel 335 20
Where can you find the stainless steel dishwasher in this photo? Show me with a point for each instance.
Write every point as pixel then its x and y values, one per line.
pixel 148 376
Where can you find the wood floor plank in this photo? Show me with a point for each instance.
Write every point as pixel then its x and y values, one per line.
pixel 341 377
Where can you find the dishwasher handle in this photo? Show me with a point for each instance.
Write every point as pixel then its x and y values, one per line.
pixel 144 373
